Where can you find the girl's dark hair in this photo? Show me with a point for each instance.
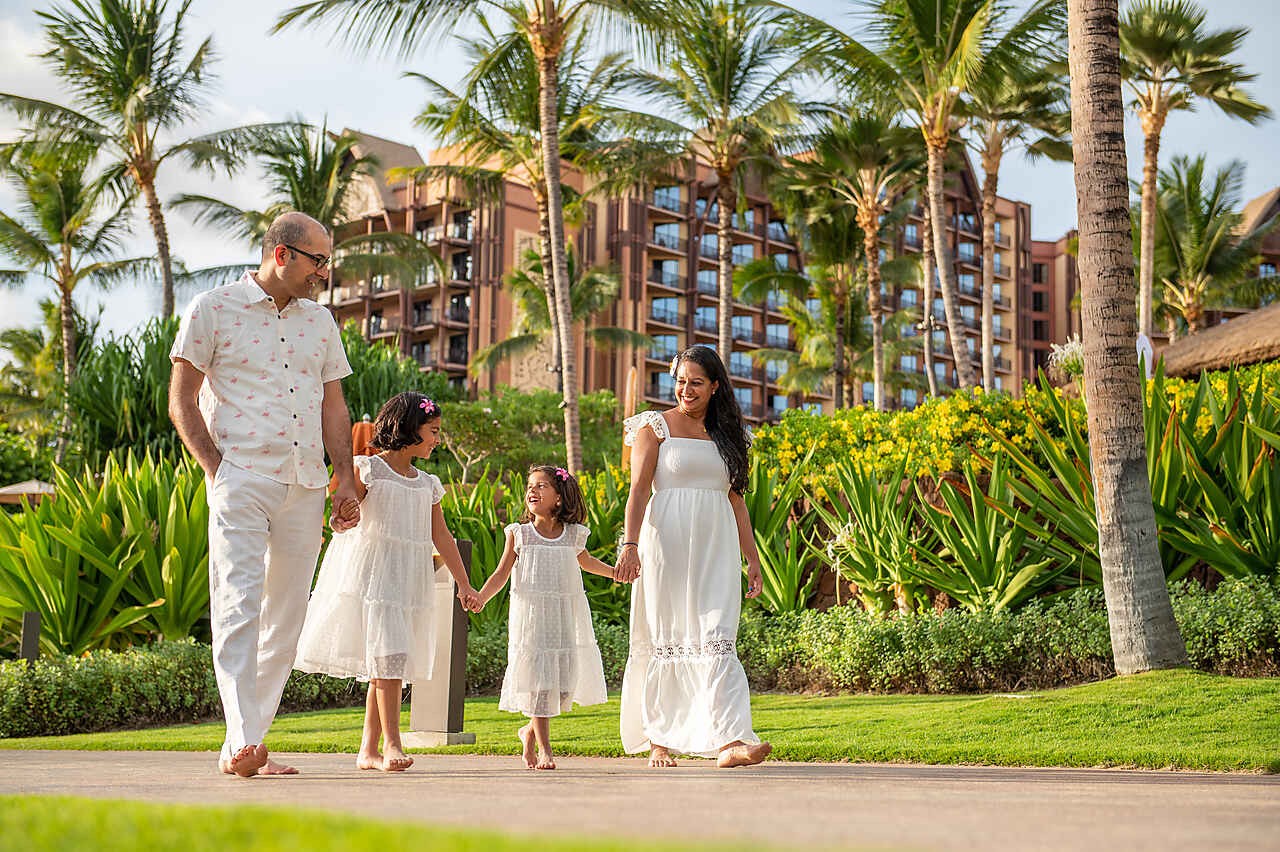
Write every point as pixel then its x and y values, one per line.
pixel 724 416
pixel 400 420
pixel 573 508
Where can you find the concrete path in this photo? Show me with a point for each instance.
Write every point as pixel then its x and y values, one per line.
pixel 784 805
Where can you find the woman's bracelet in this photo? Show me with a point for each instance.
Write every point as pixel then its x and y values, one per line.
pixel 623 544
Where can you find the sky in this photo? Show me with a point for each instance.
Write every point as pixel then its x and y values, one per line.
pixel 264 77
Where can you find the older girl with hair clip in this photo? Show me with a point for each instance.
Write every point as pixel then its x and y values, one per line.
pixel 553 661
pixel 686 534
pixel 371 615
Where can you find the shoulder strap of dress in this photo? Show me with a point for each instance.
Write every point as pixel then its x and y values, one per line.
pixel 633 424
pixel 516 531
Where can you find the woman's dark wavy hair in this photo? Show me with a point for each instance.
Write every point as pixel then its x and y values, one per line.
pixel 400 420
pixel 724 417
pixel 573 508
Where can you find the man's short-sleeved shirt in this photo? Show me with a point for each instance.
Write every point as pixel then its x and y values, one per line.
pixel 265 372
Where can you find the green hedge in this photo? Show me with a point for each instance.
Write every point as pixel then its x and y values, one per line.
pixel 164 683
pixel 1053 642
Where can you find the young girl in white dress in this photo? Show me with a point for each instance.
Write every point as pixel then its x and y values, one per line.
pixel 370 616
pixel 553 661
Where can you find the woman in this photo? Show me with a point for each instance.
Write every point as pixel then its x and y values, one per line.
pixel 684 689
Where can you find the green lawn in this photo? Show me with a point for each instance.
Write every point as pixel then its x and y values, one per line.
pixel 73 824
pixel 1178 719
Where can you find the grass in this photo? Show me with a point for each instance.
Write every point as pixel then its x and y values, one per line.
pixel 64 822
pixel 1172 719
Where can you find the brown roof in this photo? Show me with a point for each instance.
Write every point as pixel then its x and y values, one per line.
pixel 1248 339
pixel 390 155
pixel 1259 210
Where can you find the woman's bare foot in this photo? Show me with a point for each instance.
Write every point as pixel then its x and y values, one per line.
pixel 273 768
pixel 369 761
pixel 741 754
pixel 395 760
pixel 530 750
pixel 660 758
pixel 247 761
pixel 545 760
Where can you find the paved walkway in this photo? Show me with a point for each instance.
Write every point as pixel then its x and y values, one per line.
pixel 780 804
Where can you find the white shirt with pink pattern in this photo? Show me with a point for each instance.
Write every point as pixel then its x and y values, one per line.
pixel 265 372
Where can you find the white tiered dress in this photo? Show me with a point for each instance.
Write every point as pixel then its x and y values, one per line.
pixel 684 687
pixel 371 614
pixel 553 661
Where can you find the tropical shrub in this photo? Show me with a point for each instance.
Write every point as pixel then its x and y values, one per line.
pixel 20 460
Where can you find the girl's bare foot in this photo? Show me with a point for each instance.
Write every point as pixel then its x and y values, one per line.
pixel 369 761
pixel 660 758
pixel 395 760
pixel 741 754
pixel 530 750
pixel 273 768
pixel 545 760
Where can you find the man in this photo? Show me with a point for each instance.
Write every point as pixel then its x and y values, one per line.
pixel 256 389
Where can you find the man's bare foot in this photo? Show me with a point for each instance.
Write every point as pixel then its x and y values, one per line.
pixel 369 761
pixel 395 760
pixel 545 760
pixel 530 750
pixel 273 768
pixel 247 761
pixel 740 754
pixel 660 758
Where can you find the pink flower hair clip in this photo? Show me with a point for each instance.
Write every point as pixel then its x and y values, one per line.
pixel 429 407
pixel 563 474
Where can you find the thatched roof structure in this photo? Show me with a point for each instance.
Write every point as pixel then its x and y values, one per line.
pixel 1251 338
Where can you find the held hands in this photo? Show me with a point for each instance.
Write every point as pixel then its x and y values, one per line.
pixel 755 582
pixel 628 567
pixel 470 599
pixel 346 510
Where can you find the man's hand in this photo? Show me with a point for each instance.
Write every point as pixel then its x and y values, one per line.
pixel 346 510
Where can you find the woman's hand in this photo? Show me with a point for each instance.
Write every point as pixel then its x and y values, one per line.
pixel 755 582
pixel 628 567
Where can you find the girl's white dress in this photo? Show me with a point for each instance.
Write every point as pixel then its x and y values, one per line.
pixel 370 615
pixel 553 661
pixel 684 687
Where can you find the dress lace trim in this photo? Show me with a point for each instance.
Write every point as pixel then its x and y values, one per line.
pixel 653 419
pixel 712 648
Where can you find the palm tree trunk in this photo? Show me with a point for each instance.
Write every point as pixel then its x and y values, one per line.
pixel 1152 125
pixel 155 214
pixel 990 181
pixel 548 96
pixel 67 315
pixel 724 258
pixel 869 222
pixel 1144 634
pixel 926 293
pixel 842 310
pixel 544 250
pixel 946 269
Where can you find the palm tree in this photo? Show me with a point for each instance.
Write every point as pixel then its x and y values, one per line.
pixel 861 157
pixel 31 387
pixel 1144 634
pixel 123 63
pixel 1010 108
pixel 1170 63
pixel 545 26
pixel 724 84
pixel 1203 259
pixel 928 54
pixel 592 291
pixel 315 172
pixel 67 231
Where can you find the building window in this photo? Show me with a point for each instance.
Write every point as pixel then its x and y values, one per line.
pixel 665 309
pixel 778 231
pixel 743 328
pixel 665 272
pixel 777 335
pixel 457 352
pixel 709 281
pixel 665 346
pixel 1038 301
pixel 997 263
pixel 744 400
pixel 868 393
pixel 909 398
pixel 667 197
pixel 1267 270
pixel 811 407
pixel 939 341
pixel 998 381
pixel 1037 273
pixel 667 235
pixel 740 364
pixel 908 364
pixel 998 235
pixel 911 234
pixel 743 253
pixel 966 221
pixel 462 266
pixel 1039 330
pixel 745 221
pixel 940 372
pixel 773 369
pixel 461 229
pixel 778 402
pixel 704 318
pixel 781 260
pixel 813 307
pixel 662 386
pixel 909 298
pixel 710 245
pixel 968 283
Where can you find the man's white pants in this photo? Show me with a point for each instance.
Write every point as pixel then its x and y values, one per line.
pixel 264 538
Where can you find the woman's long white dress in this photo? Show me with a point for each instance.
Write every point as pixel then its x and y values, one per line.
pixel 553 661
pixel 371 614
pixel 684 687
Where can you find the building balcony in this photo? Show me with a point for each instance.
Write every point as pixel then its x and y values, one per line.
pixel 660 392
pixel 708 288
pixel 777 341
pixel 458 315
pixel 383 326
pixel 423 319
pixel 667 202
pixel 460 232
pixel 777 233
pixel 666 317
pixel 670 280
pixel 709 249
pixel 662 353
pixel 678 245
pixel 456 356
pixel 708 324
pixel 750 336
pixel 1003 364
pixel 750 372
pixel 1002 239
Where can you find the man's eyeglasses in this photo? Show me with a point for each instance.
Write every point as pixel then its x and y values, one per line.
pixel 318 259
